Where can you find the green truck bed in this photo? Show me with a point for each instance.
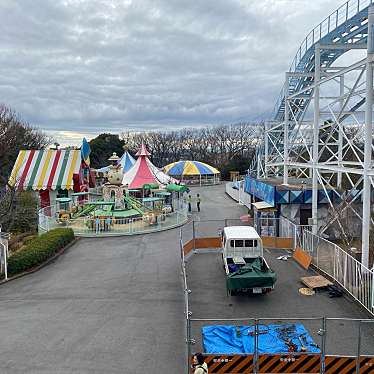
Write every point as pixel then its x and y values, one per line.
pixel 254 274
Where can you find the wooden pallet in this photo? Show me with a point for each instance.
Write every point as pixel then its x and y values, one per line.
pixel 316 281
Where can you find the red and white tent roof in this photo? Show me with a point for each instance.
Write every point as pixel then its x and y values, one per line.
pixel 144 172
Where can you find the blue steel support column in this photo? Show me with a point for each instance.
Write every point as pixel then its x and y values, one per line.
pixel 366 209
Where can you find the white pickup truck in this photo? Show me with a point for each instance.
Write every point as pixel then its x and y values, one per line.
pixel 245 266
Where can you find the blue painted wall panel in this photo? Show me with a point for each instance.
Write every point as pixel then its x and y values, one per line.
pixel 296 197
pixel 261 190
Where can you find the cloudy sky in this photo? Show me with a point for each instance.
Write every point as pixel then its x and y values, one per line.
pixel 81 67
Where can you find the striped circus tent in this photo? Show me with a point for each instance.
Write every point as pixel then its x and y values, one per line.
pixel 193 172
pixel 46 169
pixel 144 172
pixel 126 161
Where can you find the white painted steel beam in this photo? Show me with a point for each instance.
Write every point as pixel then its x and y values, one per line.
pixel 333 76
pixel 285 131
pixel 366 209
pixel 317 77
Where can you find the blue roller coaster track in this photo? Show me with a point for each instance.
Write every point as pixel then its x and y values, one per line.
pixel 348 24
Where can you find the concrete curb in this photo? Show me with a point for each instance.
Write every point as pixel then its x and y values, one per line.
pixel 45 263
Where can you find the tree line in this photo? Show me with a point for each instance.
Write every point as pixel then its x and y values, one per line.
pixel 226 147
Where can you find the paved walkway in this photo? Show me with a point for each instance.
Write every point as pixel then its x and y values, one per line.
pixel 110 305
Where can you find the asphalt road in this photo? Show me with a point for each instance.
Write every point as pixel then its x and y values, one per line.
pixel 108 306
pixel 115 305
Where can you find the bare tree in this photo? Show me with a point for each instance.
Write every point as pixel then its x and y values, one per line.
pixel 16 134
pixel 225 147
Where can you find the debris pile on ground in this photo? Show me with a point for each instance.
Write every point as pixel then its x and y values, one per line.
pixel 334 291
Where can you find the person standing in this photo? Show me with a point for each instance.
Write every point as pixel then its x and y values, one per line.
pixel 200 367
pixel 97 225
pixel 108 222
pixel 198 201
pixel 189 201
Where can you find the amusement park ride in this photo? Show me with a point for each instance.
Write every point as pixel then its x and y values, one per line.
pixel 322 123
pixel 143 194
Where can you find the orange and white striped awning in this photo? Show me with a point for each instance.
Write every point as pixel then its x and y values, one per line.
pixel 45 169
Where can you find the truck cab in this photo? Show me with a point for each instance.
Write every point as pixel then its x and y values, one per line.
pixel 244 263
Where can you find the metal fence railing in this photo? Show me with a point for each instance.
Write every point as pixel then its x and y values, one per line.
pixel 348 272
pixel 238 194
pixel 95 226
pixel 289 229
pixel 357 351
pixel 326 256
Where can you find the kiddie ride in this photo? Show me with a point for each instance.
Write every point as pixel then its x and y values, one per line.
pixel 148 210
pixel 244 263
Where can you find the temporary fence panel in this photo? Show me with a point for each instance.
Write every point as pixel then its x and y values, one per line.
pixel 366 334
pixel 276 232
pixel 329 360
pixel 354 277
pixel 238 194
pixel 257 360
pixel 349 365
pixel 229 363
pixel 208 228
pixel 275 242
pixel 303 363
pixel 239 222
pixel 232 192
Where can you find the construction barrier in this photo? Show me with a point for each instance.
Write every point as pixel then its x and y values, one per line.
pixel 215 242
pixel 347 365
pixel 288 364
pixel 188 247
pixel 202 243
pixel 293 362
pixel 229 363
pixel 276 242
pixel 303 363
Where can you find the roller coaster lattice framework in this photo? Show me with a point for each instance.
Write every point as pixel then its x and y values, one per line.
pixel 322 121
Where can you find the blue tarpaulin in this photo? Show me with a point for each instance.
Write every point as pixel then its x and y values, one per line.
pixel 271 339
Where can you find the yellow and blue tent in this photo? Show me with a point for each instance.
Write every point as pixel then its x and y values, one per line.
pixel 190 168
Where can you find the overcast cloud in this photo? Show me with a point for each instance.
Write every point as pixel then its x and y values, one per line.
pixel 74 67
